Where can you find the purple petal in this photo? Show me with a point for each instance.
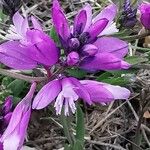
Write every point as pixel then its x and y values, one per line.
pixel 72 58
pixel 112 45
pixel 89 50
pixel 18 21
pixel 80 22
pixel 145 15
pixel 1 146
pixel 36 24
pixel 7 105
pixel 45 50
pixel 97 92
pixel 88 10
pixel 16 56
pixel 96 28
pixel 109 13
pixel 47 94
pixel 104 61
pixel 24 28
pixel 80 90
pixel 117 91
pixel 18 123
pixel 60 21
pixel 101 92
pixel 17 135
pixel 7 118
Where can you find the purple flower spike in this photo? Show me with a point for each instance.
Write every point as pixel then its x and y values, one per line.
pixel 7 105
pixel 67 91
pixel 14 135
pixel 145 15
pixel 83 38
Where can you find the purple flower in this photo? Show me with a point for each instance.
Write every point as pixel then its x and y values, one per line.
pixel 67 91
pixel 145 15
pixel 14 135
pixel 104 53
pixel 27 48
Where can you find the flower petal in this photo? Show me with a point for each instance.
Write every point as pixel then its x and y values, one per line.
pixel 80 22
pixel 60 21
pixel 97 92
pixel 112 45
pixel 96 28
pixel 109 13
pixel 88 10
pixel 16 56
pixel 47 94
pixel 36 24
pixel 18 123
pixel 102 92
pixel 117 91
pixel 45 50
pixel 80 90
pixel 18 21
pixel 104 61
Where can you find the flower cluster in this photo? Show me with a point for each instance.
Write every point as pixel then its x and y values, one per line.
pixel 86 45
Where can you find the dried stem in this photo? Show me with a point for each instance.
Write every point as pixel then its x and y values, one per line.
pixel 21 77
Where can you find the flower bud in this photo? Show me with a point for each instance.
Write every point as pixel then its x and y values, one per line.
pixel 145 15
pixel 90 50
pixel 128 18
pixel 7 105
pixel 74 43
pixel 72 58
pixel 7 118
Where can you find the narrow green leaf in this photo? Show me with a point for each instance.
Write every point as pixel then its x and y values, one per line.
pixel 17 86
pixel 104 76
pixel 80 129
pixel 116 81
pixel 135 59
pixel 54 35
pixel 78 73
pixel 78 145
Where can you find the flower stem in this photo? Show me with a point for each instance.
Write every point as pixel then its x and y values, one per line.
pixel 133 37
pixel 21 77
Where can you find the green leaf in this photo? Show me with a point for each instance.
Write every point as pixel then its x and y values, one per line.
pixel 104 76
pixel 6 81
pixel 67 147
pixel 135 59
pixel 78 73
pixel 116 81
pixel 118 73
pixel 80 129
pixel 54 35
pixel 78 145
pixel 17 86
